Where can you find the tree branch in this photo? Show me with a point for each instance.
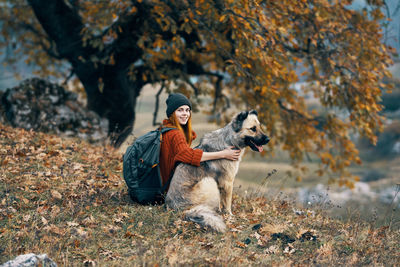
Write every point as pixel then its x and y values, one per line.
pixel 157 105
pixel 51 51
pixel 65 30
pixel 321 121
pixel 71 73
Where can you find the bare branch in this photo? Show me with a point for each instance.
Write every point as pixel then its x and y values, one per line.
pixel 294 113
pixel 51 51
pixel 397 9
pixel 71 73
pixel 217 95
pixel 157 105
pixel 196 90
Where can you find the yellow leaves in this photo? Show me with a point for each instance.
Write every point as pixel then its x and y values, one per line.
pixel 331 63
pixel 246 65
pixel 222 18
pixel 176 55
pixel 56 195
pixel 229 61
pixel 158 43
pixel 129 234
pixel 101 85
pixel 133 10
pixel 26 218
pixel 90 222
pixel 55 230
pixel 347 183
pixel 44 221
pixel 326 158
pixel 283 30
pixel 81 233
pixel 112 60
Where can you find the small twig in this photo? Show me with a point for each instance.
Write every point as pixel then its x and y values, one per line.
pixel 391 203
pixel 279 189
pixel 157 105
pixel 265 181
pixel 268 176
pixel 68 77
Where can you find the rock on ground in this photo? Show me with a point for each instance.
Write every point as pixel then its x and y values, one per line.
pixel 43 106
pixel 30 260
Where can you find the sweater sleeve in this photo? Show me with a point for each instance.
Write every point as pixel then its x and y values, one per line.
pixel 183 153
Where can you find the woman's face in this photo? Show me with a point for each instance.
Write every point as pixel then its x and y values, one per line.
pixel 183 114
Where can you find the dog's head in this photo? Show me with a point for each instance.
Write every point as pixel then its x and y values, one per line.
pixel 247 126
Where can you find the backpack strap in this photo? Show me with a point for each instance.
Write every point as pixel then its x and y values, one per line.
pixel 166 185
pixel 164 129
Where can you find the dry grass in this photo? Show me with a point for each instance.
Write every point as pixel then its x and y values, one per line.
pixel 67 198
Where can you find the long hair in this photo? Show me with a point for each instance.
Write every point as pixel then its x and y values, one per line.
pixel 186 129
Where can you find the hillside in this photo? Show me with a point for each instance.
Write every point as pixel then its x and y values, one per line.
pixel 67 198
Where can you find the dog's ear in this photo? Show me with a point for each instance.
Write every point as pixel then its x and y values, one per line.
pixel 238 120
pixel 242 115
pixel 253 111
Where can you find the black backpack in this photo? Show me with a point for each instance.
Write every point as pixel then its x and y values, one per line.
pixel 141 169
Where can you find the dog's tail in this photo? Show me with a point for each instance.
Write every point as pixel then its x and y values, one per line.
pixel 206 217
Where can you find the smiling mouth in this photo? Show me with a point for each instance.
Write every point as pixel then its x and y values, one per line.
pixel 183 120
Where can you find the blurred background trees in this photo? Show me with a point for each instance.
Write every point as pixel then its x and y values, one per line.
pixel 275 56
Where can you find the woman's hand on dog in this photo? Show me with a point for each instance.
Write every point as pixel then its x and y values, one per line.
pixel 231 153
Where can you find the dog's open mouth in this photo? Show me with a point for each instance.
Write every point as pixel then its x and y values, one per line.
pixel 256 144
pixel 256 147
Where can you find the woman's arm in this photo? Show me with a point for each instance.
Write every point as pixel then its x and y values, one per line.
pixel 229 153
pixel 183 153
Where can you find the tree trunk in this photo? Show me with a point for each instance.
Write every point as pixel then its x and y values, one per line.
pixel 109 91
pixel 112 95
pixel 119 95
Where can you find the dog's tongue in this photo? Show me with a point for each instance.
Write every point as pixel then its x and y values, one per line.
pixel 260 148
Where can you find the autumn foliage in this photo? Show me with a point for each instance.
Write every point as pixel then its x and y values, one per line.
pixel 252 53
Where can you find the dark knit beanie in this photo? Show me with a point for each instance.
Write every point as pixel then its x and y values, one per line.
pixel 176 100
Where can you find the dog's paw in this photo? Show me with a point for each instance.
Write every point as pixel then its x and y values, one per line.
pixel 229 217
pixel 228 213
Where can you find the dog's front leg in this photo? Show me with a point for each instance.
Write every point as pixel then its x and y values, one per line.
pixel 226 189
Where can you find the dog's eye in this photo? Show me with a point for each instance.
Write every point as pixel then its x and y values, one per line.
pixel 253 128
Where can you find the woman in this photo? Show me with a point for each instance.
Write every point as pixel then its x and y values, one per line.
pixel 175 146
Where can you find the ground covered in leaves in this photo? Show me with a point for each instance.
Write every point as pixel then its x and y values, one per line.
pixel 67 198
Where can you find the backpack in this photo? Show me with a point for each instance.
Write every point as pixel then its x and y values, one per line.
pixel 141 170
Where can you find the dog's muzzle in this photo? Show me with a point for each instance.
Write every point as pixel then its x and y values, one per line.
pixel 256 144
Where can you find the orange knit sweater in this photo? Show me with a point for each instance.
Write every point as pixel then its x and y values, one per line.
pixel 174 149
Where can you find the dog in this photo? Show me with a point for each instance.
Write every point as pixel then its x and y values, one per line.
pixel 201 191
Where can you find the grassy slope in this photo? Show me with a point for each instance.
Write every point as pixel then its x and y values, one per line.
pixel 67 198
